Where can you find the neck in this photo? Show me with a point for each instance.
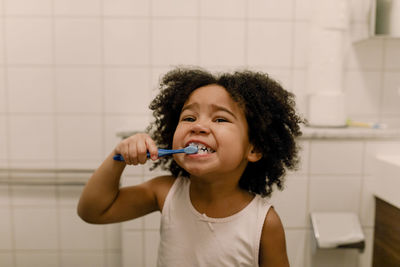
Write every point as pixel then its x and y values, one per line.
pixel 218 197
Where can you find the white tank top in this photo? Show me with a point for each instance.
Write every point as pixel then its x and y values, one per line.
pixel 189 238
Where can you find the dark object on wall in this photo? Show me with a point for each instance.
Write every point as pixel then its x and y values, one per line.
pixel 386 235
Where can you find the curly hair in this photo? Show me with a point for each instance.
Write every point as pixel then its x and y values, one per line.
pixel 273 124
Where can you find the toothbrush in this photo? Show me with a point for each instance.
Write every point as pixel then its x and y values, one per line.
pixel 165 152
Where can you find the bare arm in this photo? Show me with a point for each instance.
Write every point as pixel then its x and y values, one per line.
pixel 102 201
pixel 273 244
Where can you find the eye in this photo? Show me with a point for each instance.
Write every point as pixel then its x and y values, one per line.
pixel 221 120
pixel 188 118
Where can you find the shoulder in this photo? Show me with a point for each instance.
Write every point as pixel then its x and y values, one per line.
pixel 273 244
pixel 160 187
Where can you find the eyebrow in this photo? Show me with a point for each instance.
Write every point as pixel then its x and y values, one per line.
pixel 214 107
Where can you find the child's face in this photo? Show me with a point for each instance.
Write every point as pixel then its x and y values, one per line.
pixel 214 122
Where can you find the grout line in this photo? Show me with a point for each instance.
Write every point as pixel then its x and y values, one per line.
pixel 381 82
pixel 246 34
pixel 103 113
pixel 8 134
pixel 198 35
pixel 55 133
pixel 293 46
pixel 362 182
pixel 308 210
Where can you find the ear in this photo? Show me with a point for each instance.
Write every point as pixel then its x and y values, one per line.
pixel 254 155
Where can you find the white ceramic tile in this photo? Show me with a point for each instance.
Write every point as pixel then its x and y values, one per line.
pixel 157 74
pixel 79 90
pixel 174 8
pixel 2 42
pixel 5 229
pixel 113 236
pixel 218 9
pixel 282 75
pixel 299 88
pixel 392 54
pixel 359 10
pixel 68 196
pixel 135 224
pixel 329 157
pixel 222 42
pixel 152 221
pixel 362 91
pixel 37 258
pixel 302 9
pixel 391 93
pixel 3 94
pixel 335 257
pixel 301 44
pixel 79 163
pixel 36 228
pixel 7 258
pixel 334 193
pixel 78 41
pixel 269 9
pixel 309 247
pixel 79 137
pixel 27 7
pixel 82 258
pixel 295 244
pixel 4 196
pixel 269 43
pixel 174 42
pixel 114 259
pixel 133 175
pixel 291 203
pixel 30 90
pixel 152 239
pixel 77 7
pixel 38 144
pixel 126 7
pixel 365 258
pixel 29 40
pixel 367 209
pixel 365 55
pixel 72 229
pixel 3 138
pixel 126 41
pixel 127 90
pixel 118 123
pixel 153 173
pixel 132 248
pixel 43 196
pixel 129 180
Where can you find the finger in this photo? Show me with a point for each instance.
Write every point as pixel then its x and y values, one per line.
pixel 141 152
pixel 124 153
pixel 133 154
pixel 152 148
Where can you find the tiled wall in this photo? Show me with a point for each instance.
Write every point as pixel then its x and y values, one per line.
pixel 72 73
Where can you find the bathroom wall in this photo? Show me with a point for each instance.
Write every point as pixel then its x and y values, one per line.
pixel 72 73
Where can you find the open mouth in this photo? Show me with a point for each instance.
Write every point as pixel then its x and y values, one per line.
pixel 202 149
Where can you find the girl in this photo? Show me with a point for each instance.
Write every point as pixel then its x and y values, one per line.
pixel 213 205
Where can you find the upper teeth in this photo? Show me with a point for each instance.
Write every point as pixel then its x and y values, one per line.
pixel 202 148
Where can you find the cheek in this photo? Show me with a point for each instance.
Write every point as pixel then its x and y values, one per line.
pixel 177 137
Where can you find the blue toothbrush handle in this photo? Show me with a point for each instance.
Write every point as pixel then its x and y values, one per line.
pixel 161 153
pixel 118 157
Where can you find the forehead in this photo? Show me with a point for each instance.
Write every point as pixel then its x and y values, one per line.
pixel 211 94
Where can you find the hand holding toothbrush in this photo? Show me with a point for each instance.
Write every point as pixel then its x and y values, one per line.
pixel 135 147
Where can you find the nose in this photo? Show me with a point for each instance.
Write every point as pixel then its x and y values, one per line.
pixel 200 128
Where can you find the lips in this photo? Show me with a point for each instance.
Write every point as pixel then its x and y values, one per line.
pixel 202 148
